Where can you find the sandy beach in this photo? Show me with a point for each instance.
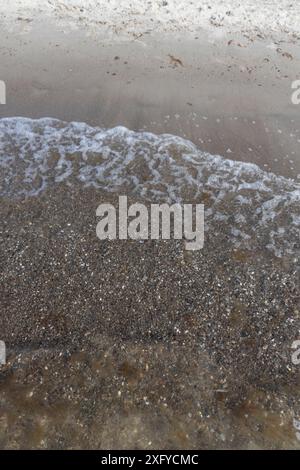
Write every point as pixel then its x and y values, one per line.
pixel 228 92
pixel 143 345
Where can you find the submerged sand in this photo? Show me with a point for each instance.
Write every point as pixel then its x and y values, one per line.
pixel 141 345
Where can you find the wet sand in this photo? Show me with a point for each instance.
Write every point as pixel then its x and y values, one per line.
pixel 140 345
pixel 230 99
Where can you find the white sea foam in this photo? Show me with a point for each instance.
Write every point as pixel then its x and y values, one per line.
pixel 259 208
pixel 123 17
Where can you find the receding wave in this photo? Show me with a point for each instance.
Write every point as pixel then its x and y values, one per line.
pixel 260 208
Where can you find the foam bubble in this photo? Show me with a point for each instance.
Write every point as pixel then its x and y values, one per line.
pixel 260 208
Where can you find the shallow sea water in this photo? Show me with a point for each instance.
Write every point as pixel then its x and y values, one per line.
pixel 260 207
pixel 143 345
